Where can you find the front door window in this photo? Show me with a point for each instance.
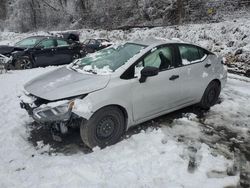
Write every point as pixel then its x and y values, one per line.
pixel 47 43
pixel 160 58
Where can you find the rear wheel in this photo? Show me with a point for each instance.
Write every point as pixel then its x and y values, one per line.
pixel 23 63
pixel 104 128
pixel 211 95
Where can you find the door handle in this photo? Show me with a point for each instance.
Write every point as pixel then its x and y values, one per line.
pixel 207 65
pixel 173 77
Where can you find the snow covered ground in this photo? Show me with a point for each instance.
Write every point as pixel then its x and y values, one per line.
pixel 152 158
pixel 183 149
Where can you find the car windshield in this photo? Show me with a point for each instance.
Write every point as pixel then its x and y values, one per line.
pixel 28 42
pixel 107 60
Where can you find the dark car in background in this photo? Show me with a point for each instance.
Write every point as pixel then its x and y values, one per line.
pixel 93 45
pixel 40 51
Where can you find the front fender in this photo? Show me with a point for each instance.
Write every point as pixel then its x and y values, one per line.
pixel 18 54
pixel 86 107
pixel 86 110
pixel 83 108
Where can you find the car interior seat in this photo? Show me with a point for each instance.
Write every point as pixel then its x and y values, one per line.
pixel 165 62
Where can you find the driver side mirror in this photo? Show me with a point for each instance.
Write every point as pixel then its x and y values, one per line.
pixel 148 72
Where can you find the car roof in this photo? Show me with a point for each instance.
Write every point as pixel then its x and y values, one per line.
pixel 157 41
pixel 38 36
pixel 46 37
pixel 96 39
pixel 154 42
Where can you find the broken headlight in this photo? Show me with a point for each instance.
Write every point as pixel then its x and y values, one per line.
pixel 57 111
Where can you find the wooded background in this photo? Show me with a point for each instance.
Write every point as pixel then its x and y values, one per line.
pixel 30 15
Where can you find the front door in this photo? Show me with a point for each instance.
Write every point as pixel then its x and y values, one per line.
pixel 46 54
pixel 162 92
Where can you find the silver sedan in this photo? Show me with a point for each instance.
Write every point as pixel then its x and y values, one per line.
pixel 107 92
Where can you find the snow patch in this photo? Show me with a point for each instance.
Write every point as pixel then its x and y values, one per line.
pixel 103 71
pixel 82 106
pixel 57 81
pixel 204 74
pixel 185 62
pixel 27 99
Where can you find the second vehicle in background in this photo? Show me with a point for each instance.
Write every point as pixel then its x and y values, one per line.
pixel 40 51
pixel 93 45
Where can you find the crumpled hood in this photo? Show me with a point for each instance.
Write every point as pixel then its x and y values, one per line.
pixel 4 49
pixel 64 83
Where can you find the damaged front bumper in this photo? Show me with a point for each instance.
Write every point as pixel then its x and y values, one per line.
pixel 5 60
pixel 57 116
pixel 49 113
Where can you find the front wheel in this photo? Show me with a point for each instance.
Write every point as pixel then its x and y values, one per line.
pixel 211 95
pixel 23 63
pixel 104 128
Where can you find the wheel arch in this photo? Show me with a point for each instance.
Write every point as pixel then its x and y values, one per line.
pixel 23 56
pixel 123 110
pixel 217 81
pixel 214 80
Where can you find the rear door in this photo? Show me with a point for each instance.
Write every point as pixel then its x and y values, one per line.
pixel 44 53
pixel 64 52
pixel 198 67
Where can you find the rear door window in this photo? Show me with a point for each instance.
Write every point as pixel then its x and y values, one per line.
pixel 61 43
pixel 191 54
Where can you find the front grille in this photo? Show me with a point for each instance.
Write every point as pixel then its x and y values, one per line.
pixel 40 101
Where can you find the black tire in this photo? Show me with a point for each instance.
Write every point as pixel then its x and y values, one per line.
pixel 104 128
pixel 23 63
pixel 211 95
